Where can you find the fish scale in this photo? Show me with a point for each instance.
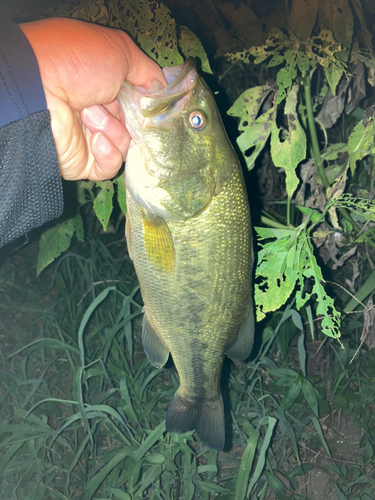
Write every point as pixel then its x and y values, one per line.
pixel 200 307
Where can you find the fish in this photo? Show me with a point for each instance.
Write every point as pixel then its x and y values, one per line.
pixel 188 232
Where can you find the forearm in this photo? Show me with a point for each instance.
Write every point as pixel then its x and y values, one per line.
pixel 30 183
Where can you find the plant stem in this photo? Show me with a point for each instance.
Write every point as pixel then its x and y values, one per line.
pixel 272 223
pixel 372 163
pixel 316 149
pixel 288 211
pixel 312 132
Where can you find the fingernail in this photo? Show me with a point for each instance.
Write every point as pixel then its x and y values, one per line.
pixel 96 116
pixel 101 142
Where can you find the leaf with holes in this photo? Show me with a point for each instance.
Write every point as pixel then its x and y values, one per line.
pixel 287 154
pixel 275 273
pixel 255 131
pixel 309 269
pixel 190 45
pixel 152 26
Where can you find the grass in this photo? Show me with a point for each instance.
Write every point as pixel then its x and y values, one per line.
pixel 82 411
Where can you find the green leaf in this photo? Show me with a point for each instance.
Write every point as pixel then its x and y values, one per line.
pixel 119 494
pixel 275 273
pixel 324 49
pixel 310 395
pixel 270 422
pixel 277 486
pixel 201 469
pixel 103 202
pixel 369 451
pixel 289 375
pixel 303 62
pixel 333 151
pixel 98 478
pixel 56 240
pixel 152 26
pixel 149 442
pixel 292 394
pixel 121 192
pixel 309 269
pixel 318 429
pixel 211 487
pixel 364 291
pixel 340 402
pixel 150 476
pixel 339 494
pixel 190 45
pixel 255 131
pixel 280 264
pixel 361 142
pixel 246 465
pixel 333 74
pixel 276 61
pixel 94 304
pixel 302 353
pixel 284 80
pixel 289 153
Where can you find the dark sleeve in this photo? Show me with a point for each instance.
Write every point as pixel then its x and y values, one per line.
pixel 30 182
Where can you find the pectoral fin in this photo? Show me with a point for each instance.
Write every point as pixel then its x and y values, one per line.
pixel 155 349
pixel 159 243
pixel 241 347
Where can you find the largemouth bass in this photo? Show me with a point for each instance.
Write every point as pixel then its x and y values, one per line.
pixel 189 234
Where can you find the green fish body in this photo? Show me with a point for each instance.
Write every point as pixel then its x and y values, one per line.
pixel 189 234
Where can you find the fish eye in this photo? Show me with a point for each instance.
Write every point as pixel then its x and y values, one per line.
pixel 197 120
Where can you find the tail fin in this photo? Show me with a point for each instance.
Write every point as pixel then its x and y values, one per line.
pixel 207 419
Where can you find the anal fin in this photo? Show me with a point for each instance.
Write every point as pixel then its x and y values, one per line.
pixel 159 243
pixel 156 351
pixel 241 347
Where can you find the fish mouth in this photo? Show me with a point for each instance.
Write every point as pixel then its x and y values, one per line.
pixel 153 104
pixel 143 109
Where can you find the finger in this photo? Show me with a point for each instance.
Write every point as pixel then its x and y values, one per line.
pixel 113 108
pixel 99 119
pixel 107 158
pixel 142 69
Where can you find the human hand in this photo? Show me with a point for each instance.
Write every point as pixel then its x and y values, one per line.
pixel 82 67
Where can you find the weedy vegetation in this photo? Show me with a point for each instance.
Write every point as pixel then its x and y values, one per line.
pixel 82 410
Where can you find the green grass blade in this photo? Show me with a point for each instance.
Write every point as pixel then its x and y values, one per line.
pixel 262 455
pixel 246 465
pixel 302 353
pixel 97 480
pixel 318 428
pixel 94 304
pixel 277 487
pixel 365 290
pixel 310 395
pixel 149 442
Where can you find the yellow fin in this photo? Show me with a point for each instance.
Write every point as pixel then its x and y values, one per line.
pixel 128 236
pixel 159 243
